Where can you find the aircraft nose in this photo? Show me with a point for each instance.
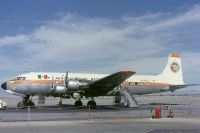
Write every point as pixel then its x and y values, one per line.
pixel 4 86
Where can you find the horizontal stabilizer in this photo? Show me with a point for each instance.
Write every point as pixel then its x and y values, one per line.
pixel 175 87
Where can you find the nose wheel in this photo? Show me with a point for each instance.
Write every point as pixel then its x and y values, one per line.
pixel 26 102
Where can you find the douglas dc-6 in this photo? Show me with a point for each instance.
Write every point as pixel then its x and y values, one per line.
pixel 77 85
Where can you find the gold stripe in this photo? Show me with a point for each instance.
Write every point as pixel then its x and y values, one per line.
pixel 145 84
pixel 38 81
pixel 62 81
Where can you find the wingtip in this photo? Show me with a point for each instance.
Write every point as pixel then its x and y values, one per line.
pixel 128 71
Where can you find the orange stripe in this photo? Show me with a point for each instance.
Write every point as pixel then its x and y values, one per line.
pixel 37 81
pixel 145 84
pixel 62 81
pixel 175 55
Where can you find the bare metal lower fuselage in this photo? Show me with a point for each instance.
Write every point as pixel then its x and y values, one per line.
pixel 46 89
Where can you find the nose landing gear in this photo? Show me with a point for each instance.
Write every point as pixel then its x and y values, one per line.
pixel 26 102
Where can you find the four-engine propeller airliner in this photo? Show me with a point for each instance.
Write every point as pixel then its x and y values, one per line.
pixel 77 85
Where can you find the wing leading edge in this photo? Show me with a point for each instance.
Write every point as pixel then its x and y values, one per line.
pixel 104 85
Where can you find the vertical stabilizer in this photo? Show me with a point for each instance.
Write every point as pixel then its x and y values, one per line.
pixel 172 73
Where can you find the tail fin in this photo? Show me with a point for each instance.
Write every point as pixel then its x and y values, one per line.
pixel 172 73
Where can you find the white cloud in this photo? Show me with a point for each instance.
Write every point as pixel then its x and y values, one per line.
pixel 10 40
pixel 191 65
pixel 190 17
pixel 104 44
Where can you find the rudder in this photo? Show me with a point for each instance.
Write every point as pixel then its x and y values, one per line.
pixel 172 73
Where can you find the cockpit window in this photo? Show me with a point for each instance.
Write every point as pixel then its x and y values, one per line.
pixel 19 78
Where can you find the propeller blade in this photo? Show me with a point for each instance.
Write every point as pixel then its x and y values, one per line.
pixel 52 82
pixel 66 78
pixel 66 81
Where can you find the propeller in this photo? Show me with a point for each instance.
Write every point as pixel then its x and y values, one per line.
pixel 52 84
pixel 66 79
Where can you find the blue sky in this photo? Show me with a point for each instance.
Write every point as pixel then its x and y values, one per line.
pixel 25 15
pixel 98 36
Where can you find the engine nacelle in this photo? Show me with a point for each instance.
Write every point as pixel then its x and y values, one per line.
pixel 59 89
pixel 69 88
pixel 73 85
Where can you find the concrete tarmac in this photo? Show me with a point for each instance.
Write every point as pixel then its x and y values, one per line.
pixel 105 118
pixel 104 125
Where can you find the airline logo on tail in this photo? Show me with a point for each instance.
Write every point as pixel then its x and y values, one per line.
pixel 175 67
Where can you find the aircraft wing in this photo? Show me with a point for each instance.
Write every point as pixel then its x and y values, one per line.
pixel 175 87
pixel 104 85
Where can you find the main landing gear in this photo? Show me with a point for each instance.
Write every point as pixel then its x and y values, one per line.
pixel 92 103
pixel 78 103
pixel 26 102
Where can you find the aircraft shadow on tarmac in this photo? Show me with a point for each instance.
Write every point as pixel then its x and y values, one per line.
pixel 64 108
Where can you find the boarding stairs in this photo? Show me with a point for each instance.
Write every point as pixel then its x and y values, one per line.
pixel 129 101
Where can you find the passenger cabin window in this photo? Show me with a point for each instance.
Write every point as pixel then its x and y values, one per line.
pixel 39 76
pixel 24 78
pixel 45 76
pixel 19 78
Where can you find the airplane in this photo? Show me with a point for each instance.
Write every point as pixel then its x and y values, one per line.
pixel 77 85
pixel 64 85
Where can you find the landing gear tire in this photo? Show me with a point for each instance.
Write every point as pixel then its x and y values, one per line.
pixel 78 103
pixel 92 104
pixel 25 104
